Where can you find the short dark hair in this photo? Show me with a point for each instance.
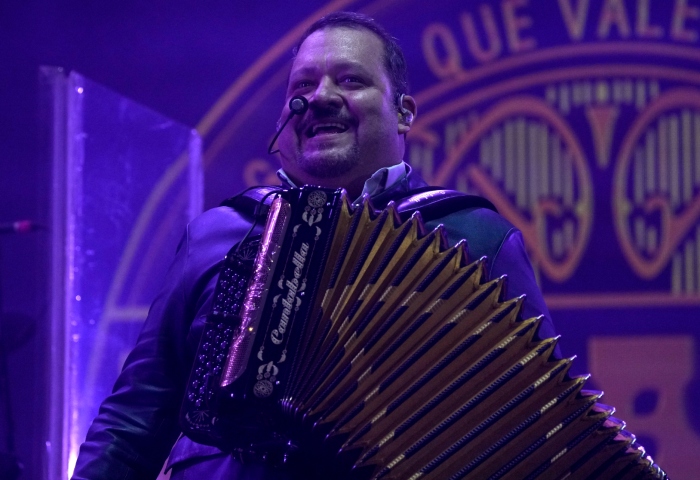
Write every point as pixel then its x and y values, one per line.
pixel 394 59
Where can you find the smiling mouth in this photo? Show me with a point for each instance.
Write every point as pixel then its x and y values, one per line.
pixel 326 128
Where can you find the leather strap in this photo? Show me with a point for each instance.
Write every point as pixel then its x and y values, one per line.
pixel 435 202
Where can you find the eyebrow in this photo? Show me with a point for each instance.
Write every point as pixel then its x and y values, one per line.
pixel 341 66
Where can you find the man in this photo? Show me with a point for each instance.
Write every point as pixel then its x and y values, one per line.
pixel 353 75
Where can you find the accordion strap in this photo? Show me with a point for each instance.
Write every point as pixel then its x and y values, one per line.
pixel 436 202
pixel 432 202
pixel 252 201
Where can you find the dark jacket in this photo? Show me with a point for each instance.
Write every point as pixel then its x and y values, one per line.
pixel 138 424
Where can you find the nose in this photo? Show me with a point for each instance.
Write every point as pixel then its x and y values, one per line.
pixel 326 94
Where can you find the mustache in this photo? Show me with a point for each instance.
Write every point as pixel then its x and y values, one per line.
pixel 324 114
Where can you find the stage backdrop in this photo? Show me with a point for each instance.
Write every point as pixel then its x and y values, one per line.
pixel 580 121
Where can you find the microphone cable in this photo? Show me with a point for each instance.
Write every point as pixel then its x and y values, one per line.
pixel 298 105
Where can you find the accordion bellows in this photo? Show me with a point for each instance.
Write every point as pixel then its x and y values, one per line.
pixel 390 342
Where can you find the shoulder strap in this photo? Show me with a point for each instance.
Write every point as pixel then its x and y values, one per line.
pixel 436 202
pixel 252 201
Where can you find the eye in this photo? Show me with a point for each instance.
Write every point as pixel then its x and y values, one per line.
pixel 301 85
pixel 351 80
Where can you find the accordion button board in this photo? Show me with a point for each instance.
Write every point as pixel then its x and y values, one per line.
pixel 362 336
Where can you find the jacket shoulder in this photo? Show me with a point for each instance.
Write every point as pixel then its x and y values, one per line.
pixel 482 228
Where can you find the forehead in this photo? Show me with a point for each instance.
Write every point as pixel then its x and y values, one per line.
pixel 340 46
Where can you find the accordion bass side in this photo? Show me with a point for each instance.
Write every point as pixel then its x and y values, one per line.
pixel 375 336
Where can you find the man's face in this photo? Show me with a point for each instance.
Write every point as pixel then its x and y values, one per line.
pixel 351 128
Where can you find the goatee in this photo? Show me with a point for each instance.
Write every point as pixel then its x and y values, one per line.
pixel 330 165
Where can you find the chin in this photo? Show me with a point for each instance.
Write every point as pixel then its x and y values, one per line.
pixel 331 163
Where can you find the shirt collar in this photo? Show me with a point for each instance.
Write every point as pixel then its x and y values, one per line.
pixel 380 180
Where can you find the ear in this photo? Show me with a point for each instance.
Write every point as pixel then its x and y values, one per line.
pixel 407 113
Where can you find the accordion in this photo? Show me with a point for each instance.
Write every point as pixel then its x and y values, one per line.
pixel 370 336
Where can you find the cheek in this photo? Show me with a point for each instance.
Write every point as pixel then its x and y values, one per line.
pixel 288 133
pixel 287 143
pixel 379 111
pixel 380 122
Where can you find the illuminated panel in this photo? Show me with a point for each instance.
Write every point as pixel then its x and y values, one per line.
pixel 109 154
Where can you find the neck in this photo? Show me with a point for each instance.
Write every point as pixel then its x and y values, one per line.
pixel 353 186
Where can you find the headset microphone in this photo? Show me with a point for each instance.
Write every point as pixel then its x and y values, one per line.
pixel 298 105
